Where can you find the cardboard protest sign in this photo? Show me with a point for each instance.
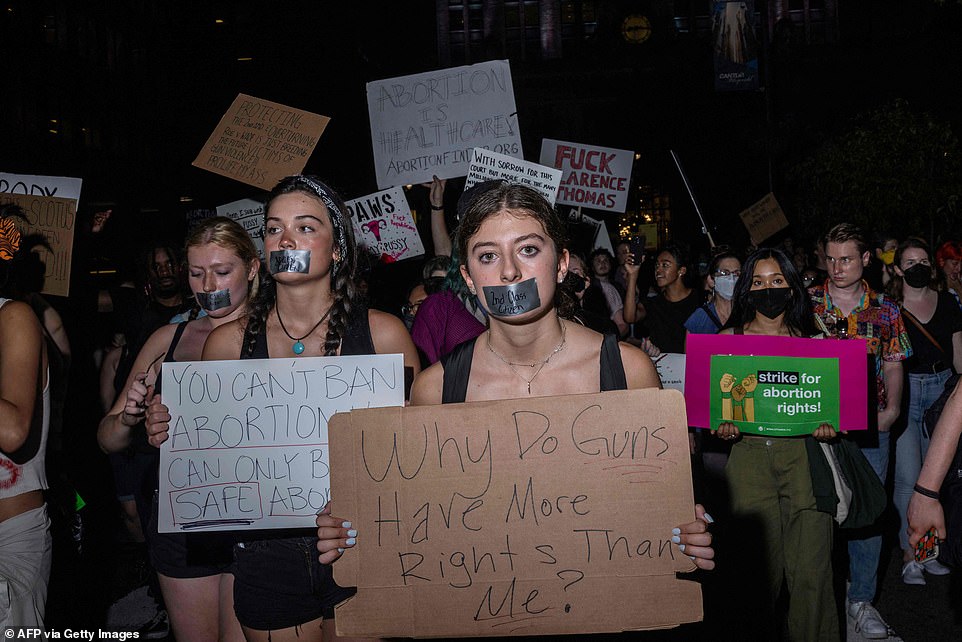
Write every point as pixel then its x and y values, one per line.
pixel 250 215
pixel 487 165
pixel 764 219
pixel 259 142
pixel 592 176
pixel 671 370
pixel 55 219
pixel 248 441
pixel 517 517
pixel 27 184
pixel 650 232
pixel 384 226
pixel 426 124
pixel 775 385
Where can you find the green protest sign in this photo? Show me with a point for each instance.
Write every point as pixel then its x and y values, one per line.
pixel 774 396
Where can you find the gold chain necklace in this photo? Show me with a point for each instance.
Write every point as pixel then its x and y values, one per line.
pixel 537 364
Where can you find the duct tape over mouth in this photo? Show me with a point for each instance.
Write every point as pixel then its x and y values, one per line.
pixel 512 300
pixel 215 300
pixel 290 261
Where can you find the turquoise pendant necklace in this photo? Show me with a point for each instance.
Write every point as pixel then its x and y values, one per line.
pixel 298 347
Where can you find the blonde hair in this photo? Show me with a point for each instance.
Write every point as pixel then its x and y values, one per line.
pixel 228 234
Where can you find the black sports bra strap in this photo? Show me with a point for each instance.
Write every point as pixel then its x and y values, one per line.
pixel 612 368
pixel 457 371
pixel 169 358
pixel 712 316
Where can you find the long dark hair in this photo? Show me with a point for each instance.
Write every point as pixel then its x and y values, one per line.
pixel 798 313
pixel 343 269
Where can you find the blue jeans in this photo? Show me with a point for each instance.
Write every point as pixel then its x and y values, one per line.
pixel 910 449
pixel 864 554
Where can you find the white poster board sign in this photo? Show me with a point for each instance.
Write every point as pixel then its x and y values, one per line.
pixel 426 124
pixel 487 165
pixel 593 177
pixel 248 446
pixel 250 215
pixel 59 186
pixel 384 226
pixel 671 370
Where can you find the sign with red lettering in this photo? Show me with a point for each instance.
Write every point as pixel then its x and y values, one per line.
pixel 593 177
pixel 384 226
pixel 259 142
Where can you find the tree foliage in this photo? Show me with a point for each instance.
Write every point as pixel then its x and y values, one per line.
pixel 891 169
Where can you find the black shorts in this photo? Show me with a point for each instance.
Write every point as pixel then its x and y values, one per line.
pixel 279 583
pixel 189 555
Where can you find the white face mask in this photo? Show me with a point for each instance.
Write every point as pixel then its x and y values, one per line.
pixel 725 286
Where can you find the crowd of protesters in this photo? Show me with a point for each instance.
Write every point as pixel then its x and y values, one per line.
pixel 596 323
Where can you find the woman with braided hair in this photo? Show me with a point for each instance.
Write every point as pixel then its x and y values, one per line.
pixel 307 308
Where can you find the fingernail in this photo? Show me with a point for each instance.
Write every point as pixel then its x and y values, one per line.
pixel 352 533
pixel 350 541
pixel 681 547
pixel 676 531
pixel 691 557
pixel 675 539
pixel 709 518
pixel 345 524
pixel 340 550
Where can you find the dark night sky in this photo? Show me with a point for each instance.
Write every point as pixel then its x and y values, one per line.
pixel 318 56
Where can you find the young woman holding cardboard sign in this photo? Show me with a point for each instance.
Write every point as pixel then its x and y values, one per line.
pixel 769 478
pixel 511 243
pixel 193 570
pixel 308 308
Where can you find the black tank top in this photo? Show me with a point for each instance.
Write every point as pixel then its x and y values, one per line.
pixel 169 357
pixel 357 341
pixel 457 369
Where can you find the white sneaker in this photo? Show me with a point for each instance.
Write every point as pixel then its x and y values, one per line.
pixel 935 567
pixel 867 621
pixel 912 573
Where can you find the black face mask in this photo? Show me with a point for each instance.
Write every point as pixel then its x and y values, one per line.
pixel 770 302
pixel 918 276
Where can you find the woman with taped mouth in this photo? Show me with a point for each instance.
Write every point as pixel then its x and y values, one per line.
pixel 193 570
pixel 511 244
pixel 308 307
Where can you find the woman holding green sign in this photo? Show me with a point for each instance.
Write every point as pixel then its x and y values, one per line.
pixel 769 478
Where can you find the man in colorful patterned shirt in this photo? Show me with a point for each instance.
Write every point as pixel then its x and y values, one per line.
pixel 848 308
